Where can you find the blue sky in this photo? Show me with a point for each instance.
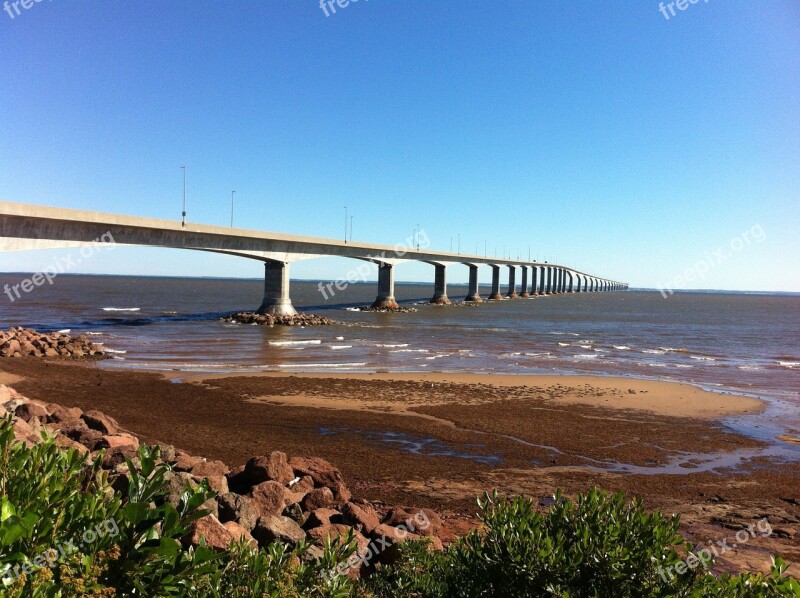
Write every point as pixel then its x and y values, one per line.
pixel 600 134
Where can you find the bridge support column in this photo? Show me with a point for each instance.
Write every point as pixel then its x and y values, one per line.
pixel 548 286
pixel 385 298
pixel 276 300
pixel 495 283
pixel 473 294
pixel 440 286
pixel 512 283
pixel 569 283
pixel 542 275
pixel 524 283
pixel 556 281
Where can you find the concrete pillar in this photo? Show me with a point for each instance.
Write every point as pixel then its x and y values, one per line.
pixel 473 294
pixel 534 280
pixel 495 283
pixel 548 286
pixel 276 300
pixel 385 298
pixel 557 285
pixel 512 283
pixel 563 287
pixel 523 286
pixel 440 285
pixel 578 283
pixel 569 283
pixel 542 277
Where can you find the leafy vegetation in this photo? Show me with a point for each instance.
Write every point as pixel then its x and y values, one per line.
pixel 596 545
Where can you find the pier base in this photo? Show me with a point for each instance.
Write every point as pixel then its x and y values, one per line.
pixel 276 300
pixel 495 294
pixel 473 293
pixel 385 298
pixel 440 286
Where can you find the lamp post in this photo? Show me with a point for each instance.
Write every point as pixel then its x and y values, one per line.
pixel 183 213
pixel 232 192
pixel 418 229
pixel 345 224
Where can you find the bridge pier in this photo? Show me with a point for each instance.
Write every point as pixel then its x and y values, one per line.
pixel 569 283
pixel 385 298
pixel 512 283
pixel 523 287
pixel 541 277
pixel 495 295
pixel 473 293
pixel 440 286
pixel 276 300
pixel 557 281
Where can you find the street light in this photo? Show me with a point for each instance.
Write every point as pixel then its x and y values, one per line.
pixel 418 229
pixel 232 192
pixel 183 214
pixel 345 224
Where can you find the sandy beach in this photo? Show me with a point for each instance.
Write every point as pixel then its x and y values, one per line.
pixel 440 440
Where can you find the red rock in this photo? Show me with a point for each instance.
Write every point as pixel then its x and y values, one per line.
pixel 424 522
pixel 322 517
pixel 63 415
pixel 271 528
pixel 186 462
pixel 324 474
pixel 216 536
pixel 271 467
pixel 240 533
pixel 214 472
pixel 319 498
pixel 303 486
pixel 114 441
pixel 25 433
pixel 394 536
pixel 269 498
pixel 27 411
pixel 363 518
pixel 64 442
pixel 100 422
pixel 234 507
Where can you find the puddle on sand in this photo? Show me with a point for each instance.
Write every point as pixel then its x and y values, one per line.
pixel 429 447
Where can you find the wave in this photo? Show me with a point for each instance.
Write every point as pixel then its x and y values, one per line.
pixel 563 344
pixel 289 343
pixel 586 356
pixel 115 351
pixel 410 351
pixel 392 345
pixel 122 309
pixel 64 331
pixel 653 351
pixel 90 333
pixel 621 347
pixel 702 358
pixel 750 367
pixel 334 347
pixel 584 346
pixel 789 364
pixel 545 353
pixel 339 338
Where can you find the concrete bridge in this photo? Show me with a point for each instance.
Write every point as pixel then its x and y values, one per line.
pixel 25 227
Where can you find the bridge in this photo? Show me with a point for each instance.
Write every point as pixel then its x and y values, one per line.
pixel 25 227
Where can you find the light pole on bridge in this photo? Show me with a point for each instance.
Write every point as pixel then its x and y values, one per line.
pixel 183 213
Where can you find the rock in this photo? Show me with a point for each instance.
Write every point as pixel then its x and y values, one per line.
pixel 186 462
pixel 319 498
pixel 303 485
pixel 322 517
pixel 239 533
pixel 234 507
pixel 214 472
pixel 25 433
pixel 30 410
pixel 88 438
pixel 216 536
pixel 101 422
pixel 322 473
pixel 337 531
pixel 117 456
pixel 269 498
pixel 167 452
pixel 271 528
pixel 394 536
pixel 424 522
pixel 66 443
pixel 115 441
pixel 295 512
pixel 58 414
pixel 363 518
pixel 271 467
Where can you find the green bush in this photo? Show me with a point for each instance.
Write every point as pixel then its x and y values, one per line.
pixel 598 545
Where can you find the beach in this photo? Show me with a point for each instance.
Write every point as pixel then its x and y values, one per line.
pixel 441 440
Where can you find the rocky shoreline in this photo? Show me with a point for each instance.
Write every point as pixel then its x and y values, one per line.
pixel 300 319
pixel 271 498
pixel 388 310
pixel 26 342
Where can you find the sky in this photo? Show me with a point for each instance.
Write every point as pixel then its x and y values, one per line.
pixel 612 136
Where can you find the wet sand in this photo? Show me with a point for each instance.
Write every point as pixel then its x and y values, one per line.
pixel 440 440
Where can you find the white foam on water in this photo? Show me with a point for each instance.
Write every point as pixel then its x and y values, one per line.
pixel 352 309
pixel 409 351
pixel 335 347
pixel 621 347
pixel 87 333
pixel 563 344
pixel 544 354
pixel 122 308
pixel 683 365
pixel 391 345
pixel 702 358
pixel 585 356
pixel 750 367
pixel 339 338
pixel 290 343
pixel 116 351
pixel 66 331
pixel 789 364
pixel 657 365
pixel 653 351
pixel 585 346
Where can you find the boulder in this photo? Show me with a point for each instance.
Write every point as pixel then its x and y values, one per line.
pixel 269 498
pixel 214 472
pixel 322 517
pixel 30 410
pixel 271 467
pixel 319 498
pixel 424 522
pixel 322 473
pixel 216 536
pixel 115 441
pixel 235 507
pixel 271 528
pixel 362 517
pixel 186 462
pixel 101 422
pixel 240 533
pixel 58 414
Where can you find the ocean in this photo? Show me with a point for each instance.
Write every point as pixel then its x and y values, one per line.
pixel 730 342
